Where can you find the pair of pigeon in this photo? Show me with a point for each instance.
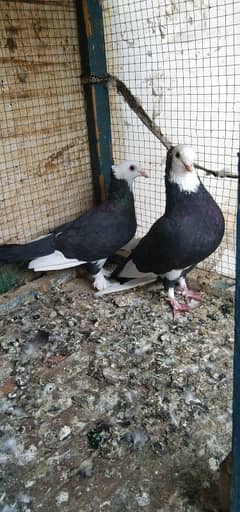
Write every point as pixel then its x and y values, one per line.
pixel 191 228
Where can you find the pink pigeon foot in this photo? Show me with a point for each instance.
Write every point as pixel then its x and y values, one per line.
pixel 190 294
pixel 178 308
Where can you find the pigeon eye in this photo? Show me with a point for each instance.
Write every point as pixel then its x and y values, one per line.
pixel 177 154
pixel 132 167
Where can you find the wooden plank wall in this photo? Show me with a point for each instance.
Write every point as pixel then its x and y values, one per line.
pixel 45 172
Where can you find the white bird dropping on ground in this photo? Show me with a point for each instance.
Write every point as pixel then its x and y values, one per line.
pixel 92 238
pixel 191 229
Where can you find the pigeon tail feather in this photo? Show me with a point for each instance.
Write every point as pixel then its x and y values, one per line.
pixel 54 261
pixel 17 253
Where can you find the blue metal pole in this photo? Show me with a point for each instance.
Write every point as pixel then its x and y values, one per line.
pixel 235 489
pixel 93 59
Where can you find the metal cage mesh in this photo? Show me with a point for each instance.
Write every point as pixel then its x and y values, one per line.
pixel 180 60
pixel 45 171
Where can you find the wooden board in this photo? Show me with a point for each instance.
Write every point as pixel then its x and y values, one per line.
pixel 45 171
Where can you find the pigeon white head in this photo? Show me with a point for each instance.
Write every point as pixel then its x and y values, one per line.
pixel 182 171
pixel 128 171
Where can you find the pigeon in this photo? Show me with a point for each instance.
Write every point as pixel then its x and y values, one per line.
pixel 92 238
pixel 191 229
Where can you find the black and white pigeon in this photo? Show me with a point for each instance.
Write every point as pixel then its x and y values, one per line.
pixel 92 238
pixel 191 228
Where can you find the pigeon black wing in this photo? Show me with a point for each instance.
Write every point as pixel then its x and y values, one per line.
pixel 97 234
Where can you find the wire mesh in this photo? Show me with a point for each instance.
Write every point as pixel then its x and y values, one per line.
pixel 180 59
pixel 45 172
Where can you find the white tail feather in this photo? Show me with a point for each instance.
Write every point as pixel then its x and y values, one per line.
pixel 134 283
pixel 54 261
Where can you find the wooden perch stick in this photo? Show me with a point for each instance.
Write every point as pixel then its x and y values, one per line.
pixel 134 104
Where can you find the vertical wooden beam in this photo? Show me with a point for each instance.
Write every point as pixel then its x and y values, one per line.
pixel 235 492
pixel 92 51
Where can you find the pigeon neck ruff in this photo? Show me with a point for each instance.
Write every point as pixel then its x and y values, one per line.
pixel 187 181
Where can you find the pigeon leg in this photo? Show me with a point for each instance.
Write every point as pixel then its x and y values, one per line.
pixel 176 307
pixel 95 268
pixel 188 294
pixel 100 283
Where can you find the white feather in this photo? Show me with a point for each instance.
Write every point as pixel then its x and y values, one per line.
pixel 187 182
pixel 41 237
pixel 183 172
pixel 173 274
pixel 134 283
pixel 54 261
pixel 100 283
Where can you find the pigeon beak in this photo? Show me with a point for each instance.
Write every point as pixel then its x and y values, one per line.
pixel 143 173
pixel 188 168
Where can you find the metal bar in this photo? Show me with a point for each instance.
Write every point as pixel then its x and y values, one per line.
pixel 92 51
pixel 235 489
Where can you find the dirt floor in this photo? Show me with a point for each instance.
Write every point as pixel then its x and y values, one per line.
pixel 109 405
